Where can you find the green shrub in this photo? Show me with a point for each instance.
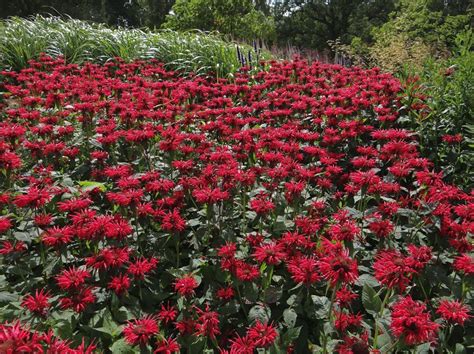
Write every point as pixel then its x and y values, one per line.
pixel 445 91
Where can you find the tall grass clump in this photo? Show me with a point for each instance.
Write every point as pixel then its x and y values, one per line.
pixel 77 41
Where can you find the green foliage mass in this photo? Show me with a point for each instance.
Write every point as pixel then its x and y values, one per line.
pixel 414 33
pixel 239 18
pixel 446 88
pixel 77 41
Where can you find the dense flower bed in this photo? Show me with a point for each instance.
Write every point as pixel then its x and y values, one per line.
pixel 287 210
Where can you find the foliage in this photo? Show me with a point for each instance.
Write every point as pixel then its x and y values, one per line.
pixel 237 18
pixel 311 24
pixel 445 91
pixel 282 210
pixel 134 13
pixel 413 34
pixel 24 39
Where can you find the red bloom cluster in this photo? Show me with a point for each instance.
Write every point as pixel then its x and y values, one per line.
pixel 267 209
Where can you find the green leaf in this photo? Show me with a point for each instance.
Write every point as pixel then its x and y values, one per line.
pixel 367 279
pixel 460 349
pixel 122 347
pixel 384 342
pixel 371 300
pixel 273 294
pixel 91 185
pixel 23 236
pixel 322 304
pixel 250 292
pixel 292 334
pixel 289 316
pixel 6 296
pixel 259 313
pixel 423 348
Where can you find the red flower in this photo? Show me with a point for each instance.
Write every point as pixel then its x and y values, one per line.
pixel 304 270
pixel 57 236
pixel 354 345
pixel 172 221
pixel 242 345
pixel 464 264
pixel 261 205
pixel 167 346
pixel 207 323
pixel 346 230
pixel 142 266
pixel 271 253
pixel 411 322
pixel 186 326
pixel 392 269
pixel 72 278
pixel 419 257
pixel 34 198
pixel 37 303
pixel 43 220
pixel 262 334
pixel 344 321
pixel 245 271
pixel 345 296
pixel 140 331
pixel 167 314
pixel 226 293
pixel 5 224
pixel 452 139
pixel 381 228
pixel 118 228
pixel 16 339
pixel 210 196
pixel 119 284
pixel 453 311
pixel 78 300
pixel 8 247
pixel 339 267
pixel 185 286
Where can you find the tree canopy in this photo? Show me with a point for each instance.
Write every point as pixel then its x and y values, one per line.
pixel 299 23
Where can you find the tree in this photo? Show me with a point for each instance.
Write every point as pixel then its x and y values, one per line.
pixel 312 23
pixel 414 33
pixel 239 18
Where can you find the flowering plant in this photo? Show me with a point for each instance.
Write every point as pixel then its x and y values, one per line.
pixel 281 211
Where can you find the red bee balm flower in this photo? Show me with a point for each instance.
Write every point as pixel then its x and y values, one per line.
pixel 119 284
pixel 167 314
pixel 453 311
pixel 185 286
pixel 140 331
pixel 207 323
pixel 339 267
pixel 464 264
pixel 37 303
pixel 5 224
pixel 270 253
pixel 392 270
pixel 262 334
pixel 304 270
pixel 167 346
pixel 226 293
pixel 72 278
pixel 411 321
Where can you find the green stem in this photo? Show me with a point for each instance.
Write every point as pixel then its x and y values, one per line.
pixel 177 254
pixel 382 308
pixel 244 309
pixel 268 280
pixel 329 316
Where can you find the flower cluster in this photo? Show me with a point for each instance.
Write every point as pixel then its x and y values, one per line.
pixel 288 209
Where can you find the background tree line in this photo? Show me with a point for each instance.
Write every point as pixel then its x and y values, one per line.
pixel 388 32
